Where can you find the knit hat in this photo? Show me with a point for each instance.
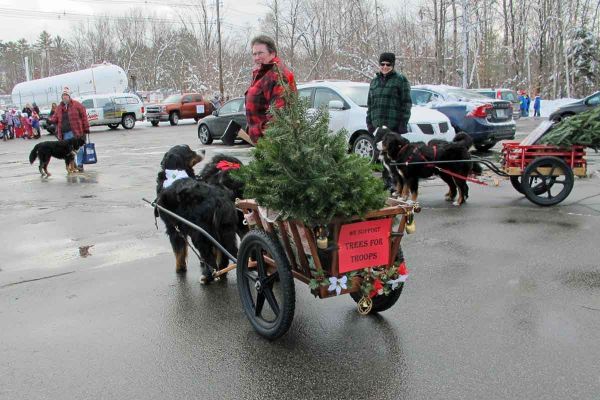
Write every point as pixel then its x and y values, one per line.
pixel 66 91
pixel 387 57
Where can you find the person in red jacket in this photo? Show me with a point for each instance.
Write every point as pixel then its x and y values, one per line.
pixel 71 121
pixel 266 89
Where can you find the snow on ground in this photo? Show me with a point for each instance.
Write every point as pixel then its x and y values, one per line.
pixel 549 106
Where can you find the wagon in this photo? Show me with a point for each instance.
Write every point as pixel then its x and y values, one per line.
pixel 359 256
pixel 545 174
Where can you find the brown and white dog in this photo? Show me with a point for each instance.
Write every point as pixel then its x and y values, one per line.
pixel 394 148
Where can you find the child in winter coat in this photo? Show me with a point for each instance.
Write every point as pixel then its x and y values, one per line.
pixel 18 126
pixel 537 105
pixel 35 124
pixel 26 124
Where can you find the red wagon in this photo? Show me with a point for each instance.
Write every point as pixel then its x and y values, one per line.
pixel 543 173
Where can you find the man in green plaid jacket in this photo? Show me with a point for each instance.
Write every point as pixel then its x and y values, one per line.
pixel 389 100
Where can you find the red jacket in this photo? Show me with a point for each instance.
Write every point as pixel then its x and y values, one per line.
pixel 77 119
pixel 264 91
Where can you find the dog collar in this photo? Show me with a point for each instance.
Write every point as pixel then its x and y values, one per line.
pixel 173 175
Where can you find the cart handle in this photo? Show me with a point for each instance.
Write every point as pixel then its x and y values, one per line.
pixel 194 226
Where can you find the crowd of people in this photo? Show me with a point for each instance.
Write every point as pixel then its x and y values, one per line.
pixel 24 124
pixel 525 104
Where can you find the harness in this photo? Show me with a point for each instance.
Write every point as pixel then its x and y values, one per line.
pixel 417 153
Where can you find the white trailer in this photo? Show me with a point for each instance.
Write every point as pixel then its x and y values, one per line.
pixel 99 79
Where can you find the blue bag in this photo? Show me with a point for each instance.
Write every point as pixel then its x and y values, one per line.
pixel 89 153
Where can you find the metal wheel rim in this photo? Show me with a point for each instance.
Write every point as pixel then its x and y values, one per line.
pixel 175 118
pixel 128 121
pixel 204 135
pixel 364 148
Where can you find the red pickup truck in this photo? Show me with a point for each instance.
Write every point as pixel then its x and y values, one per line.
pixel 179 106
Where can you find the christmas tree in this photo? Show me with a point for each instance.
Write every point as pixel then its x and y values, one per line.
pixel 581 129
pixel 305 172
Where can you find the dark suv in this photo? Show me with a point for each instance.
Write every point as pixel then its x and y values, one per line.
pixel 486 120
pixel 568 110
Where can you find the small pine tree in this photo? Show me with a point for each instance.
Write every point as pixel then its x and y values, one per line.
pixel 581 129
pixel 305 172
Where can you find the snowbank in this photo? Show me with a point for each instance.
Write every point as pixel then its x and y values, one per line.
pixel 549 106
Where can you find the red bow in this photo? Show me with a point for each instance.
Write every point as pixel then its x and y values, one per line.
pixel 402 270
pixel 224 165
pixel 377 286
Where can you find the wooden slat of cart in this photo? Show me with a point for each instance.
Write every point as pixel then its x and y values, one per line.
pixel 310 238
pixel 286 245
pixel 300 249
pixel 335 256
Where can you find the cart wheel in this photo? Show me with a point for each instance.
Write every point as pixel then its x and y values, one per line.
pixel 267 289
pixel 380 302
pixel 547 181
pixel 538 186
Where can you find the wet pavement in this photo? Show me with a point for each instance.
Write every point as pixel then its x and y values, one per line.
pixel 502 302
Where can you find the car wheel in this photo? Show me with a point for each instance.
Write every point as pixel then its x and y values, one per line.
pixel 484 146
pixel 154 123
pixel 364 146
pixel 174 118
pixel 128 121
pixel 204 134
pixel 113 126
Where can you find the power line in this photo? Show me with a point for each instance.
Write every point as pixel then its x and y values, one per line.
pixel 26 14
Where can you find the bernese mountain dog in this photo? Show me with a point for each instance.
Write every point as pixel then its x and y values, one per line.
pixel 63 149
pixel 394 148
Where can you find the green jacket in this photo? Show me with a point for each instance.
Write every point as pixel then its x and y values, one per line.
pixel 389 102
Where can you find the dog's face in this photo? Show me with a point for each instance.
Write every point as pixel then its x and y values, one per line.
pixel 181 157
pixel 392 145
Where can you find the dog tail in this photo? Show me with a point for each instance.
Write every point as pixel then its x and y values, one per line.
pixel 463 139
pixel 34 153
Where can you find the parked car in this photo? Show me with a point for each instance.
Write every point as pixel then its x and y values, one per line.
pixel 486 120
pixel 347 104
pixel 44 123
pixel 113 109
pixel 568 110
pixel 179 106
pixel 213 126
pixel 504 94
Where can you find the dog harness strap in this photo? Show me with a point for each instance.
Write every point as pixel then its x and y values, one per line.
pixel 466 178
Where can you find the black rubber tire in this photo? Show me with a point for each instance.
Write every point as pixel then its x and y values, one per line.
pixel 516 183
pixel 204 134
pixel 484 147
pixel 128 121
pixel 364 146
pixel 154 123
pixel 260 283
pixel 538 187
pixel 174 118
pixel 381 302
pixel 113 126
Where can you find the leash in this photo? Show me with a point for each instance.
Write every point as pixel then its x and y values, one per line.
pixel 466 178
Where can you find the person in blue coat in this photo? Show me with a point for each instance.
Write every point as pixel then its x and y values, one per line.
pixel 537 105
pixel 527 104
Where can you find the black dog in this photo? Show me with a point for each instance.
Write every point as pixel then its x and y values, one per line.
pixel 210 208
pixel 178 158
pixel 63 149
pixel 206 200
pixel 397 149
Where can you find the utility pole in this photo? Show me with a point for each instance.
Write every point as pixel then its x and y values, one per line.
pixel 377 28
pixel 220 57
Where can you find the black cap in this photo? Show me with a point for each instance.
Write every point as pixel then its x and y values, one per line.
pixel 388 57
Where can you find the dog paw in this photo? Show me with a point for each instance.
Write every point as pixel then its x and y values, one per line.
pixel 206 279
pixel 181 271
pixel 449 198
pixel 457 204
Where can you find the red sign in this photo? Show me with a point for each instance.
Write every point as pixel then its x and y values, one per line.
pixel 364 244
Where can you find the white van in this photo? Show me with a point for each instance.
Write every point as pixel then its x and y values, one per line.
pixel 113 109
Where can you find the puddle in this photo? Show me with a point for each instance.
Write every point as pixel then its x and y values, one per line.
pixel 524 221
pixel 581 279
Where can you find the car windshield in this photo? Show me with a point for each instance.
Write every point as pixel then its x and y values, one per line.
pixel 174 98
pixel 358 94
pixel 466 94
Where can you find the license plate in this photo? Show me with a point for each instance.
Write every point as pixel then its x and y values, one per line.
pixel 501 113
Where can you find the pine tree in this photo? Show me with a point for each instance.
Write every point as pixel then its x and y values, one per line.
pixel 305 171
pixel 581 129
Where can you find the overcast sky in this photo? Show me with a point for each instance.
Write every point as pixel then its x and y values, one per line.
pixel 28 18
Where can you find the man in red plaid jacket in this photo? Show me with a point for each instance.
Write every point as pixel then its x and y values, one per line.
pixel 266 89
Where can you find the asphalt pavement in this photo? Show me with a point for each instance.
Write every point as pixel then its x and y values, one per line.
pixel 502 299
